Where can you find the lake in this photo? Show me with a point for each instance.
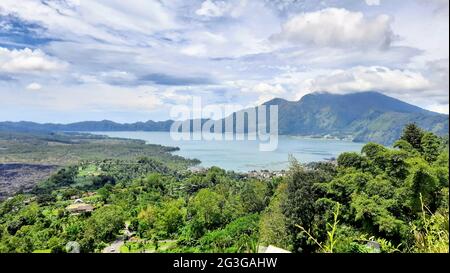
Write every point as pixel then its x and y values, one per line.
pixel 245 155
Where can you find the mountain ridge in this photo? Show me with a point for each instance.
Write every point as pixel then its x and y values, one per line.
pixel 362 117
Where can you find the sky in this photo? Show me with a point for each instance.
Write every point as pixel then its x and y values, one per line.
pixel 72 60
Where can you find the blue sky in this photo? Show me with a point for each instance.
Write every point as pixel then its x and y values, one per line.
pixel 72 60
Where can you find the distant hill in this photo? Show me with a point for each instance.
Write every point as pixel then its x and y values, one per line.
pixel 362 117
pixel 86 126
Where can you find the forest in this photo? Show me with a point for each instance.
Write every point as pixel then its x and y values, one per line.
pixel 381 200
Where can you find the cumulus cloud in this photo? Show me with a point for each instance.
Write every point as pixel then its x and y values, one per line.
pixel 424 88
pixel 333 27
pixel 267 92
pixel 28 61
pixel 371 79
pixel 259 92
pixel 268 88
pixel 34 86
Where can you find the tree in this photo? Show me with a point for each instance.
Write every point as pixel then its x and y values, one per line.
pixel 299 207
pixel 422 183
pixel 237 236
pixel 171 217
pixel 351 159
pixel 104 224
pixel 254 196
pixel 405 146
pixel 413 135
pixel 373 150
pixel 430 146
pixel 206 211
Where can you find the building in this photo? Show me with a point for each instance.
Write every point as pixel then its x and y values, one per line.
pixel 80 208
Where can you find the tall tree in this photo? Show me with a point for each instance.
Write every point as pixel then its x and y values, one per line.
pixel 413 135
pixel 430 146
pixel 299 207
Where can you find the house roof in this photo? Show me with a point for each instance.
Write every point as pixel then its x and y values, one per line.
pixel 80 207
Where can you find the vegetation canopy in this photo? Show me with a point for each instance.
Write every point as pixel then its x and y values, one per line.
pixel 379 200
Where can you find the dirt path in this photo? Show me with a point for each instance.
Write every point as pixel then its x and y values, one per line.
pixel 114 247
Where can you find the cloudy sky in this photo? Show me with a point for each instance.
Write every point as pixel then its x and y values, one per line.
pixel 72 60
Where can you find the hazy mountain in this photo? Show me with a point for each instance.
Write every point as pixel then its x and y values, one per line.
pixel 367 116
pixel 104 125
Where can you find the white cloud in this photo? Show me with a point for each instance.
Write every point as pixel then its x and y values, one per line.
pixel 28 61
pixel 268 88
pixel 371 79
pixel 205 44
pixel 259 92
pixel 333 27
pixel 440 6
pixel 213 9
pixel 99 20
pixel 97 97
pixel 373 2
pixel 438 72
pixel 34 86
pixel 423 88
pixel 231 8
pixel 440 108
pixel 238 47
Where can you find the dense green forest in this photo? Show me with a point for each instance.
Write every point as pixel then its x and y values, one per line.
pixel 379 200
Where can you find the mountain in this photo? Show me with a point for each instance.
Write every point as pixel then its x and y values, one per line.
pixel 366 116
pixel 362 117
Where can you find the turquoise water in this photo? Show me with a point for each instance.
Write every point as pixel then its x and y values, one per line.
pixel 245 155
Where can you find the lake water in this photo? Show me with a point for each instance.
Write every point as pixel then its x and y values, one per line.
pixel 245 155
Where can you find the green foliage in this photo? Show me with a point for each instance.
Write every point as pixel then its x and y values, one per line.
pixel 164 220
pixel 103 226
pixel 255 196
pixel 431 231
pixel 382 191
pixel 205 209
pixel 430 144
pixel 299 207
pixel 422 181
pixel 405 146
pixel 272 227
pixel 241 235
pixel 64 149
pixel 373 150
pixel 352 159
pixel 413 135
pixel 390 200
